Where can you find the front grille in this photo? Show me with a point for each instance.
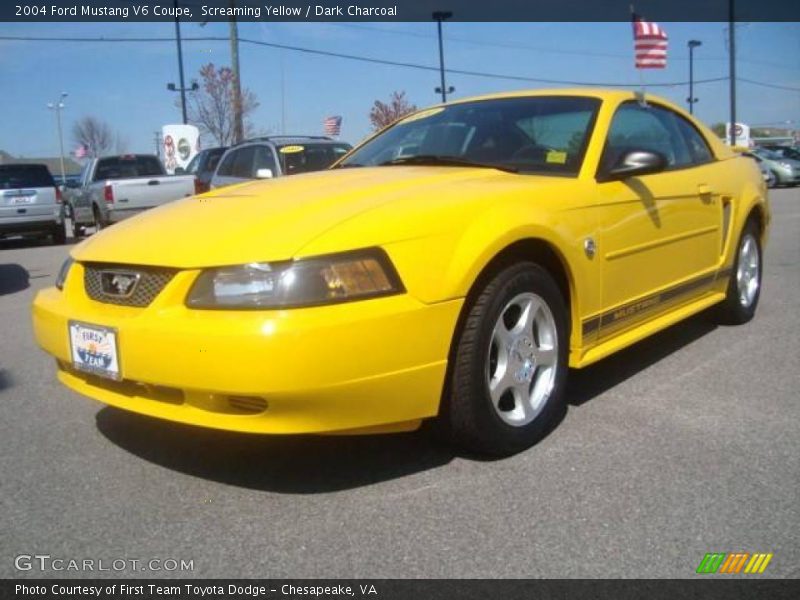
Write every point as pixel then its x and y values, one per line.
pixel 152 280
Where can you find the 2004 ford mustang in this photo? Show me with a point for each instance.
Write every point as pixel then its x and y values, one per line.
pixel 455 265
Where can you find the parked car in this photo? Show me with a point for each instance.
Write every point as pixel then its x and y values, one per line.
pixel 113 188
pixel 529 232
pixel 789 152
pixel 202 166
pixel 30 203
pixel 274 156
pixel 783 171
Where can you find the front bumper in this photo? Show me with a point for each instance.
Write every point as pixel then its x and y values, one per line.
pixel 371 364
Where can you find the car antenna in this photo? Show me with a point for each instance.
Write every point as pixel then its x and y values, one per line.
pixel 639 95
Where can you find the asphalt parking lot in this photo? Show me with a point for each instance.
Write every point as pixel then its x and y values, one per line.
pixel 687 443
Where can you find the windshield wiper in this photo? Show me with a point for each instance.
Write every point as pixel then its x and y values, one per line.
pixel 347 166
pixel 444 161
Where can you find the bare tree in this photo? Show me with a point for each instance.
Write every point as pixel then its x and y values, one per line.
pixel 93 134
pixel 211 107
pixel 382 114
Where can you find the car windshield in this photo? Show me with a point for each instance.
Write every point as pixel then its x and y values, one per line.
pixel 768 154
pixel 539 134
pixel 22 176
pixel 306 157
pixel 787 152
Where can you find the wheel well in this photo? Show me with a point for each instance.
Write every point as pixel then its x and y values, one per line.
pixel 538 251
pixel 757 216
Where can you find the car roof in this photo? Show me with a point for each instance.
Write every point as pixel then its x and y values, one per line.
pixel 290 139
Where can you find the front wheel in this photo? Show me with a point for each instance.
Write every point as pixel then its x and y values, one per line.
pixel 772 180
pixel 744 286
pixel 506 386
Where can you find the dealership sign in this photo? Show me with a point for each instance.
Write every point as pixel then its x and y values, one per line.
pixel 180 143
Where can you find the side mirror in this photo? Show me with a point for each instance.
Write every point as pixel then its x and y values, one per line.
pixel 180 171
pixel 635 163
pixel 264 174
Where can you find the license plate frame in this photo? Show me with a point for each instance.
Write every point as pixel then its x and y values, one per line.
pixel 94 349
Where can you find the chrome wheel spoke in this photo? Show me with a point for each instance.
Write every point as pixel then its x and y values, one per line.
pixel 545 357
pixel 522 359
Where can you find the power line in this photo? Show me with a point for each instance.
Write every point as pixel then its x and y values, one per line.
pixel 367 59
pixel 548 50
pixel 769 85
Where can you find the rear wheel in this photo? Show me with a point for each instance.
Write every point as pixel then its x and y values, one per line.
pixel 510 364
pixel 744 285
pixel 98 219
pixel 59 234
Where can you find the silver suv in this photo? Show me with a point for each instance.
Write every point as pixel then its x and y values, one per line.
pixel 30 203
pixel 273 156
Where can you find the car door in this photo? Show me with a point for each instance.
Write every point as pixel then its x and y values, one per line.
pixel 660 233
pixel 236 166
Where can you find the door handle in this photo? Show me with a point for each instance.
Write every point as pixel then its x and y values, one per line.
pixel 153 182
pixel 704 189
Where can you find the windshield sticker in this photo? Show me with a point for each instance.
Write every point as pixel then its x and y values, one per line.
pixel 423 114
pixel 555 156
pixel 291 149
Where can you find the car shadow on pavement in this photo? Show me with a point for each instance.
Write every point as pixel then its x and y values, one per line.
pixel 13 278
pixel 319 464
pixel 585 384
pixel 283 464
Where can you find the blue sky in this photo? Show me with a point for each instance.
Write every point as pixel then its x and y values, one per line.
pixel 125 84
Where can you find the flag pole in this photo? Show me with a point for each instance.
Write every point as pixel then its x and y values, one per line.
pixel 641 71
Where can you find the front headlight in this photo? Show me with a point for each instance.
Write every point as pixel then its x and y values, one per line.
pixel 63 272
pixel 327 279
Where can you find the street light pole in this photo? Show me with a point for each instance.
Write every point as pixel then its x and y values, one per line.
pixel 57 107
pixel 691 99
pixel 180 62
pixel 440 16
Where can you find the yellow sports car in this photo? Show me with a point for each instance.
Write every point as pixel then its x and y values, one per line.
pixel 454 265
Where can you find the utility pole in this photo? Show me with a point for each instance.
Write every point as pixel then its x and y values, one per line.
pixel 691 99
pixel 732 76
pixel 157 139
pixel 57 106
pixel 238 125
pixel 440 16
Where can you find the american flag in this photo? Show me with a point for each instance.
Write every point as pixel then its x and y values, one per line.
pixel 650 44
pixel 332 125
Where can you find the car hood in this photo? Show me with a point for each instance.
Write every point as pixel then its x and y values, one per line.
pixel 271 220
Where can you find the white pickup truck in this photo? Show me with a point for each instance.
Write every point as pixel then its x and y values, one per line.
pixel 113 188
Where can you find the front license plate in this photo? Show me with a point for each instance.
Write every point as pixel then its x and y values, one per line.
pixel 94 349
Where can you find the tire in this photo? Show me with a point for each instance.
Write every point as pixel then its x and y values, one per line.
pixel 498 349
pixel 59 234
pixel 98 219
pixel 744 284
pixel 772 180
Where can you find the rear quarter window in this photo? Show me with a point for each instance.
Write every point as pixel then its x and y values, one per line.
pixel 25 176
